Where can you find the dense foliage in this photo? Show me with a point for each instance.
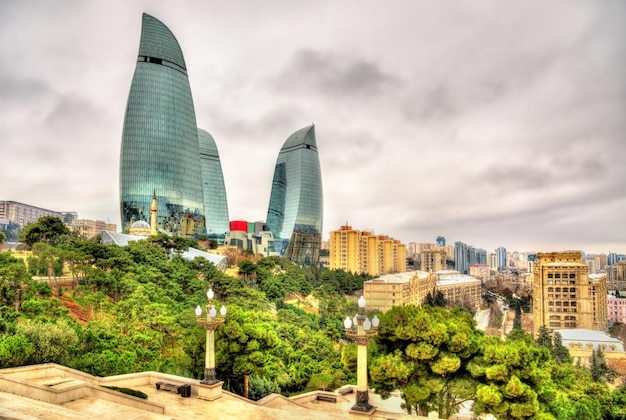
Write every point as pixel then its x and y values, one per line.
pixel 131 309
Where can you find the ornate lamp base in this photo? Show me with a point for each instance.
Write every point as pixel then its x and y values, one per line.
pixel 362 402
pixel 209 377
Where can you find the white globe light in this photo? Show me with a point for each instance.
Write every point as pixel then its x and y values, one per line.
pixel 347 323
pixel 212 312
pixel 210 294
pixel 375 321
pixel 361 302
pixel 355 320
pixel 223 310
pixel 198 310
pixel 367 324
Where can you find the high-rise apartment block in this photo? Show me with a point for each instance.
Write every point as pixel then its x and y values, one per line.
pixel 23 214
pixel 466 255
pixel 501 256
pixel 363 252
pixel 433 260
pixel 565 295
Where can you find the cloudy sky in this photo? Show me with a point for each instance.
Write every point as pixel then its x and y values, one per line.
pixel 488 122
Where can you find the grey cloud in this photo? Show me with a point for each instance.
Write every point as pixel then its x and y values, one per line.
pixel 333 74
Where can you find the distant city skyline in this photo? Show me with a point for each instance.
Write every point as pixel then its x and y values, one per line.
pixel 488 123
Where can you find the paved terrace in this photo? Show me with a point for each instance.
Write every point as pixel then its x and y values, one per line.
pixel 51 391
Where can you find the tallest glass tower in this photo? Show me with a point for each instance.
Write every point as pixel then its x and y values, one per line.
pixel 160 149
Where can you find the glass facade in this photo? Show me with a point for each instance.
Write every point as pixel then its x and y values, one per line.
pixel 160 148
pixel 215 203
pixel 295 209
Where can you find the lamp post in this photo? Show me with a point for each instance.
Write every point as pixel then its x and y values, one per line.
pixel 359 329
pixel 210 324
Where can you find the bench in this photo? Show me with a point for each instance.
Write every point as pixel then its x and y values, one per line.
pixel 345 391
pixel 168 387
pixel 328 398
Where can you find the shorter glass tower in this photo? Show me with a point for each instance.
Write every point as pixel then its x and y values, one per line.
pixel 215 203
pixel 295 209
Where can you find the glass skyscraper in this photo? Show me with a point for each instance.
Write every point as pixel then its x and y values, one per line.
pixel 160 149
pixel 215 204
pixel 295 209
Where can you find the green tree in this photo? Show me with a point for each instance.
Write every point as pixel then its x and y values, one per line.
pixel 560 353
pixel 600 370
pixel 3 237
pixel 53 342
pixel 15 350
pixel 243 345
pixel 424 352
pixel 435 299
pixel 13 280
pixel 544 338
pixel 48 229
pixel 514 378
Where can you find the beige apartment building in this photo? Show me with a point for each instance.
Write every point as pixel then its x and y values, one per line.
pixel 399 289
pixel 90 228
pixel 459 289
pixel 565 295
pixel 433 260
pixel 357 251
pixel 411 288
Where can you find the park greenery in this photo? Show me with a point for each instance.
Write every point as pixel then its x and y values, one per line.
pixel 131 308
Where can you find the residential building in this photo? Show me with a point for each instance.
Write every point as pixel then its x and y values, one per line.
pixel 295 210
pixel 616 309
pixel 398 289
pixel 22 214
pixel 344 249
pixel 481 271
pixel 411 288
pixel 459 289
pixel 357 251
pixel 565 295
pixel 433 260
pixel 89 228
pixel 466 255
pixel 582 342
pixel 501 257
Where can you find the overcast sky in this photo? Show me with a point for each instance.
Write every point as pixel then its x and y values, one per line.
pixel 488 122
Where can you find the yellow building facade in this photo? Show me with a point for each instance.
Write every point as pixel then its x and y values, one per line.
pixel 357 251
pixel 411 288
pixel 90 228
pixel 433 259
pixel 399 289
pixel 565 295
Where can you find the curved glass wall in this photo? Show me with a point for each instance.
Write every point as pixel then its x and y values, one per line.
pixel 295 210
pixel 160 150
pixel 215 203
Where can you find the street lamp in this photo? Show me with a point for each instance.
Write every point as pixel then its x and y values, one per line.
pixel 359 329
pixel 210 324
